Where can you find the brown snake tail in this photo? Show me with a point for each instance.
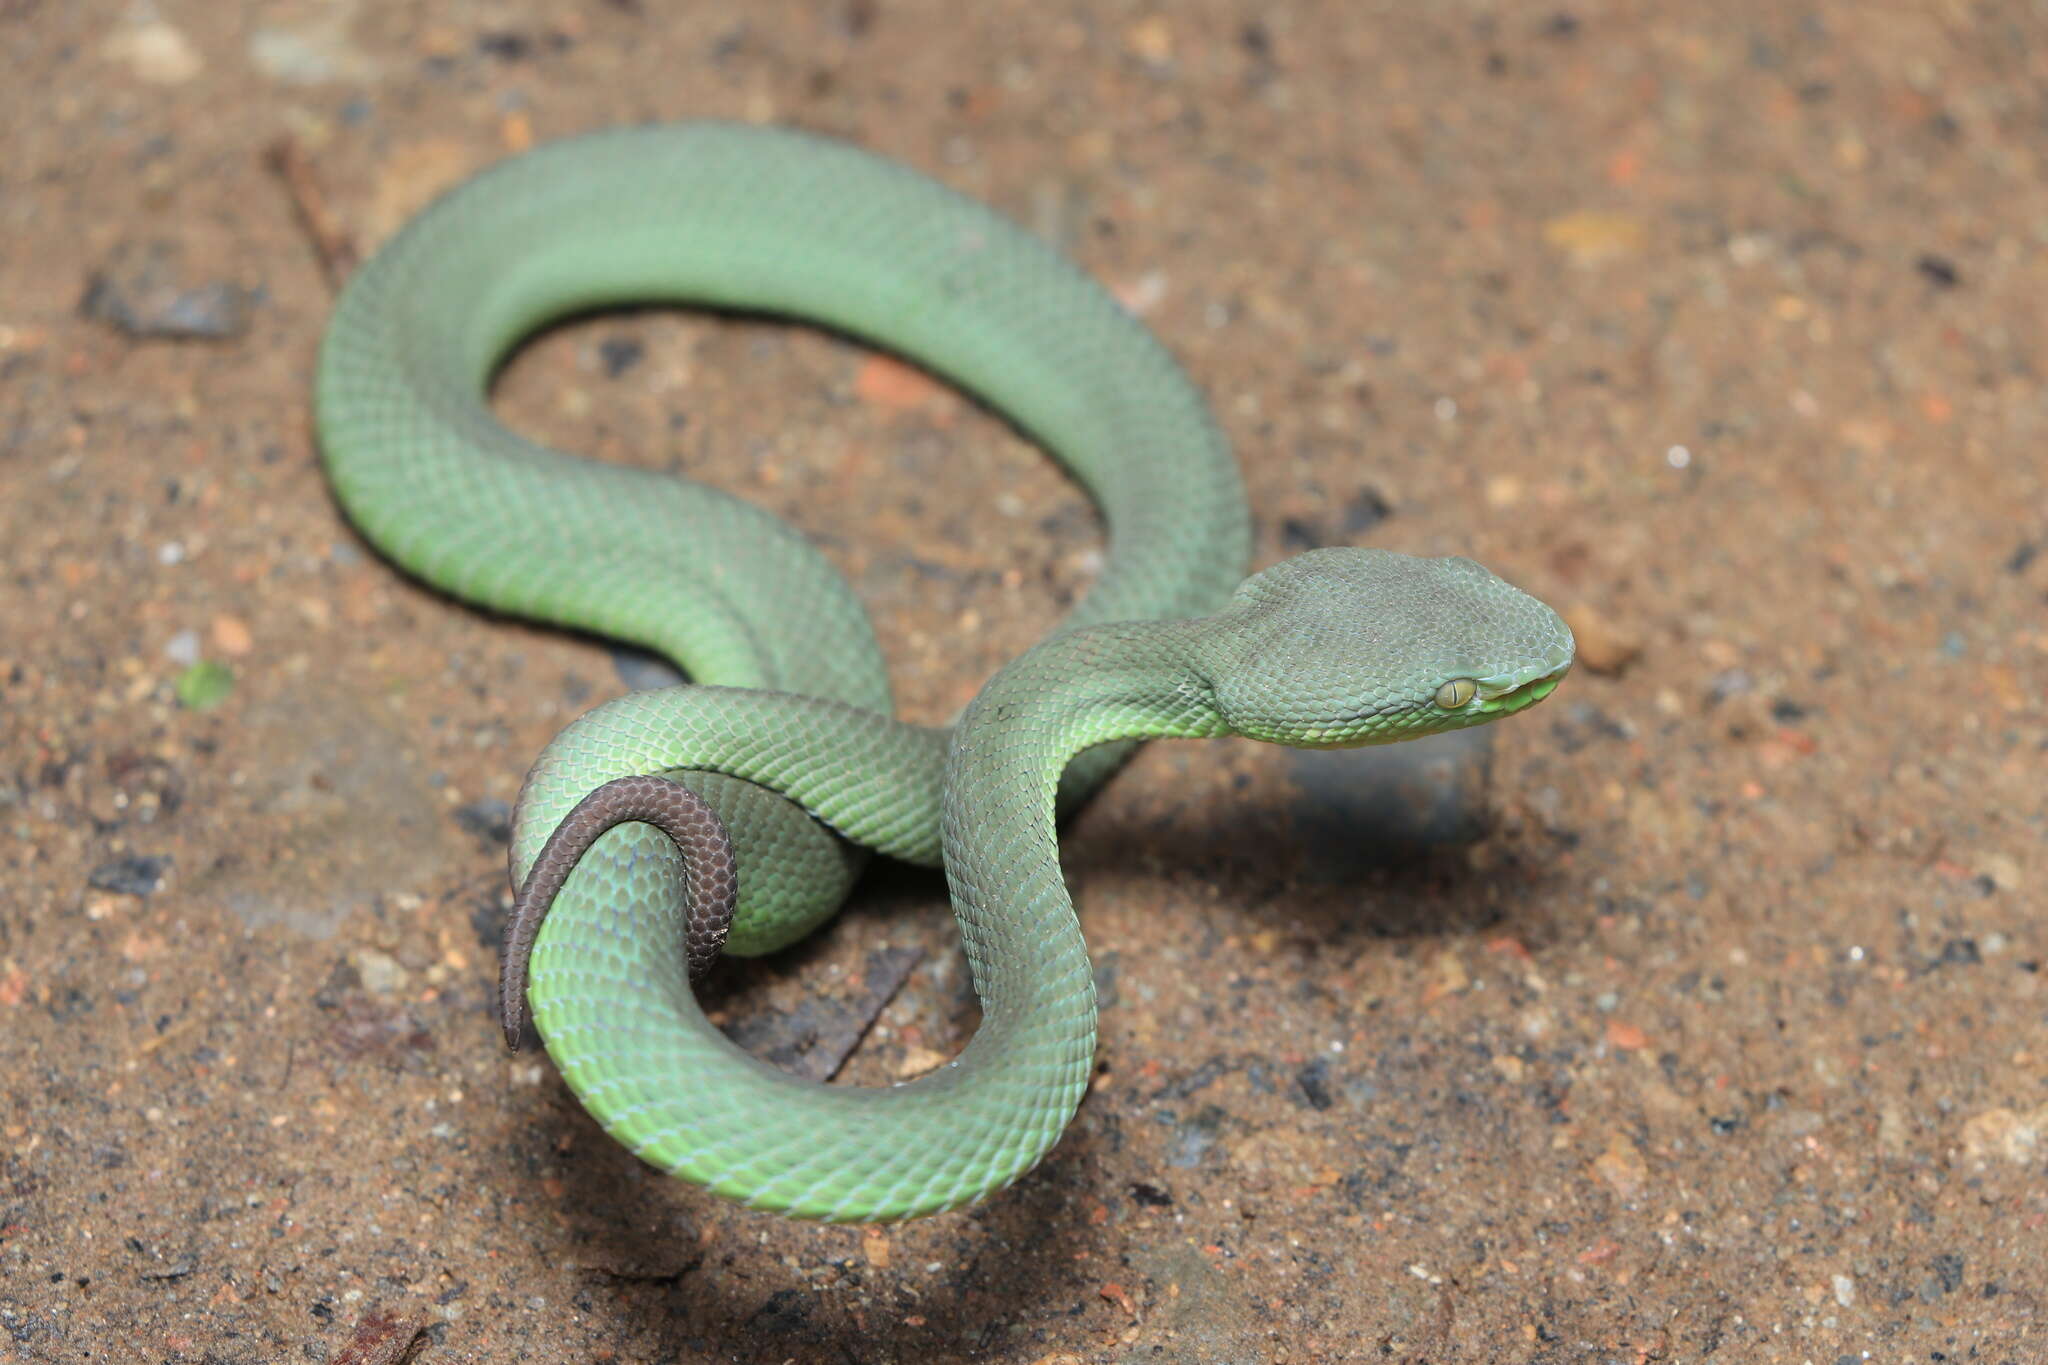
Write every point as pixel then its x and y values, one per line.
pixel 675 810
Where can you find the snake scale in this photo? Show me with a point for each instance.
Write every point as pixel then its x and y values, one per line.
pixel 786 729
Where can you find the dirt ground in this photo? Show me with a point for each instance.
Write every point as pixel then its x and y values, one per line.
pixel 1710 1027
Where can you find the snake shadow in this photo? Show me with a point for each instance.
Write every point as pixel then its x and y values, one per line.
pixel 1401 842
pixel 707 1280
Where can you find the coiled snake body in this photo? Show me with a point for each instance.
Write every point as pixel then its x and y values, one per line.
pixel 786 729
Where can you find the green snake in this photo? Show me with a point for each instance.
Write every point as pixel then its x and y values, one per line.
pixel 786 731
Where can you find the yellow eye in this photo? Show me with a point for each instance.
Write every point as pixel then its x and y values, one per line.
pixel 1456 693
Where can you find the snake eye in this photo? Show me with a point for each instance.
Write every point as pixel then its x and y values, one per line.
pixel 1456 693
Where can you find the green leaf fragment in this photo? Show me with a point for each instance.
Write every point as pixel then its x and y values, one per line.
pixel 205 684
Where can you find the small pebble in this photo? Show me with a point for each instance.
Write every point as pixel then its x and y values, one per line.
pixel 380 972
pixel 507 45
pixel 917 1061
pixel 619 354
pixel 1150 39
pixel 1602 646
pixel 314 53
pixel 1590 239
pixel 1729 682
pixel 1938 271
pixel 231 636
pixel 155 52
pixel 135 875
pixel 138 291
pixel 1365 510
pixel 2001 1134
pixel 1621 1167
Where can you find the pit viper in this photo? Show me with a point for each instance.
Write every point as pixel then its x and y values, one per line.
pixel 785 733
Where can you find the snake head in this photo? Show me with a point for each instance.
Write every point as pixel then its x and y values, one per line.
pixel 1343 647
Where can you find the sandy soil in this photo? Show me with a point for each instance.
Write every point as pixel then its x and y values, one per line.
pixel 1720 1035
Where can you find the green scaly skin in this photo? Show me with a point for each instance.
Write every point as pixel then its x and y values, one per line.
pixel 787 730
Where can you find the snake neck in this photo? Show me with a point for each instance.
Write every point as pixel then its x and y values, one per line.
pixel 1023 942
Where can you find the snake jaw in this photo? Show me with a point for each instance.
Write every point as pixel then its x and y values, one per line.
pixel 1506 693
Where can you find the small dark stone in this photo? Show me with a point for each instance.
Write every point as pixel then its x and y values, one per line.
pixel 1583 723
pixel 1297 535
pixel 1786 710
pixel 1960 952
pixel 138 292
pixel 783 1309
pixel 1561 25
pixel 1314 1082
pixel 1257 40
pixel 177 1270
pixel 728 44
pixel 856 18
pixel 1722 1127
pixel 619 354
pixel 1201 1078
pixel 1152 1197
pixel 342 981
pixel 1948 1269
pixel 135 875
pixel 490 820
pixel 2024 555
pixel 505 44
pixel 1939 271
pixel 1365 511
